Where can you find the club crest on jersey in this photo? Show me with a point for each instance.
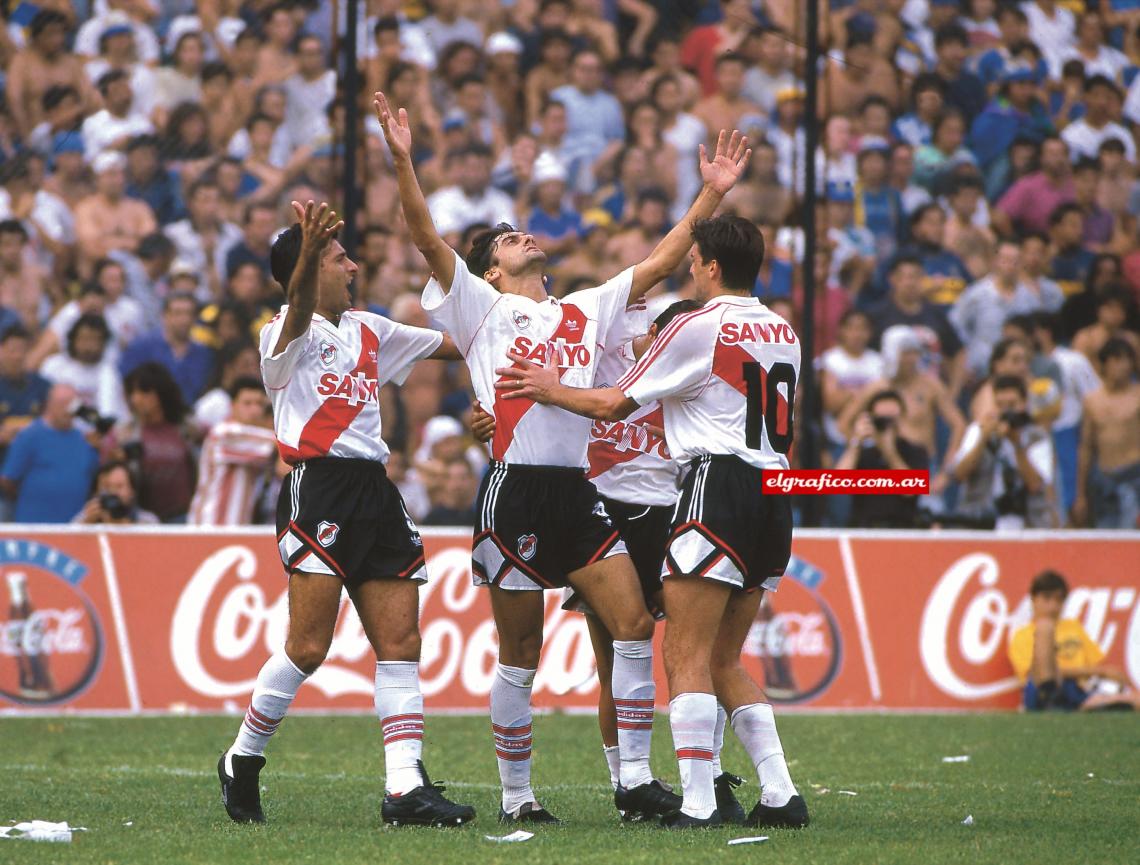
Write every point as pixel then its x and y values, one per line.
pixel 327 353
pixel 326 533
pixel 528 546
pixel 522 320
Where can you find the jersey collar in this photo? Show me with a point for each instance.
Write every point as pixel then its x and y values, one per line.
pixel 734 300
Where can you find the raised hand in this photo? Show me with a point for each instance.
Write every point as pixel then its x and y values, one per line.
pixel 727 164
pixel 397 132
pixel 318 224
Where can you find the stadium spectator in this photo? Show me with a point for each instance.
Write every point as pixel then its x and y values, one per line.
pixel 23 284
pixel 307 94
pixel 964 90
pixel 593 116
pixel 236 361
pixel 204 238
pixel 49 465
pixel 1056 660
pixel 188 362
pixel 1108 474
pixel 180 80
pixel 1005 463
pixel 108 220
pixel 876 444
pixel 259 226
pixel 86 366
pixel 1071 261
pixel 1086 135
pixel 22 392
pixel 1112 306
pixel 114 499
pixel 152 182
pixel 471 199
pixel 43 63
pixel 727 107
pixel 453 501
pixel 155 443
pixel 1013 356
pixel 237 455
pixel 703 45
pixel 117 123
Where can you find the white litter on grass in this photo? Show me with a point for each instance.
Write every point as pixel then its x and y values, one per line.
pixel 755 840
pixel 129 823
pixel 40 830
pixel 847 793
pixel 1091 775
pixel 513 838
pixel 962 758
pixel 969 821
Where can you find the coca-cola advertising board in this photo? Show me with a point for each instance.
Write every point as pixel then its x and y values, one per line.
pixel 180 619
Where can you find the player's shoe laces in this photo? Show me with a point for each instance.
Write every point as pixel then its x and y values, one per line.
pixel 645 801
pixel 793 815
pixel 731 811
pixel 424 806
pixel 680 820
pixel 241 794
pixel 530 812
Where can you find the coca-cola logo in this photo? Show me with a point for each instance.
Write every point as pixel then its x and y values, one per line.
pixel 794 646
pixel 51 642
pixel 970 615
pixel 227 621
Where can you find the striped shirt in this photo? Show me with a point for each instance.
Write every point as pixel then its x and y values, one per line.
pixel 235 457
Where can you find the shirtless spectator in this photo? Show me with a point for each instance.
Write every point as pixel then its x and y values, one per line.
pixel 665 57
pixel 551 72
pixel 650 222
pixel 108 221
pixel 23 284
pixel 1108 465
pixel 43 64
pixel 925 399
pixel 1111 315
pixel 591 256
pixel 860 74
pixel 727 107
pixel 275 59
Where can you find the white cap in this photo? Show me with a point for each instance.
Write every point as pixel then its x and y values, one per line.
pixel 436 430
pixel 548 167
pixel 107 161
pixel 182 267
pixel 503 43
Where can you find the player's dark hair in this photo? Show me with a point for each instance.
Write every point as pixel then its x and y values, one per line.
pixel 1048 583
pixel 887 396
pixel 736 244
pixel 1116 347
pixel 153 377
pixel 673 310
pixel 91 321
pixel 482 253
pixel 284 253
pixel 1011 382
pixel 246 382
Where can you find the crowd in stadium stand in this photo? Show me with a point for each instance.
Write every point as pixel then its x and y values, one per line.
pixel 978 272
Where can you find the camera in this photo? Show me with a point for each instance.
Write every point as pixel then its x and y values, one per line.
pixel 1016 419
pixel 101 424
pixel 114 506
pixel 882 424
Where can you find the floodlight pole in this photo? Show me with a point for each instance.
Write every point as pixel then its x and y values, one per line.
pixel 809 426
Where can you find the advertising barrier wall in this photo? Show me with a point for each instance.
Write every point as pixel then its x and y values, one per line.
pixel 168 619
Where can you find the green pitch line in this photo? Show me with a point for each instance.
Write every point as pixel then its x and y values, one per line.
pixel 1040 789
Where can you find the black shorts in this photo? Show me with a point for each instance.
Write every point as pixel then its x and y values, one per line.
pixel 537 524
pixel 345 518
pixel 726 528
pixel 645 530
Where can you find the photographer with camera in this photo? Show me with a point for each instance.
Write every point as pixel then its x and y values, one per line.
pixel 115 499
pixel 876 445
pixel 1006 464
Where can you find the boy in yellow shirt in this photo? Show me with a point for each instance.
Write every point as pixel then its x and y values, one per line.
pixel 1055 658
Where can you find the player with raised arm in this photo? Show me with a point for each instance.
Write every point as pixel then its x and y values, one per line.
pixel 726 378
pixel 541 523
pixel 341 523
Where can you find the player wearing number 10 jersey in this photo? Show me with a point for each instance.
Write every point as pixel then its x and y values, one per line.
pixel 726 378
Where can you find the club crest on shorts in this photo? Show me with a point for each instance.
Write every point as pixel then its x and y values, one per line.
pixel 326 533
pixel 528 546
pixel 600 511
pixel 522 320
pixel 328 353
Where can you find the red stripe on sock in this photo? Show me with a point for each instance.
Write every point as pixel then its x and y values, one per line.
pixel 414 716
pixel 694 754
pixel 618 702
pixel 512 758
pixel 397 737
pixel 257 728
pixel 629 725
pixel 264 719
pixel 511 731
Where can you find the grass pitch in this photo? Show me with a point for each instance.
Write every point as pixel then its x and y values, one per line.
pixel 1040 789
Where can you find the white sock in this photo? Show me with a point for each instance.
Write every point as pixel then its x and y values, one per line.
pixel 718 739
pixel 613 761
pixel 692 718
pixel 277 685
pixel 755 726
pixel 634 693
pixel 400 708
pixel 510 722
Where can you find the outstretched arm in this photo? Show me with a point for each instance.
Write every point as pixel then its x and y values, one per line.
pixel 318 225
pixel 720 175
pixel 398 134
pixel 528 380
